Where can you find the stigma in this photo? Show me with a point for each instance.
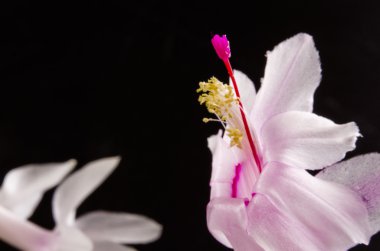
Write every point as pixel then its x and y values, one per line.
pixel 222 47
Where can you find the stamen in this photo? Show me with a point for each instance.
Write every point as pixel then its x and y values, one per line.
pixel 222 48
pixel 236 137
pixel 218 98
pixel 206 120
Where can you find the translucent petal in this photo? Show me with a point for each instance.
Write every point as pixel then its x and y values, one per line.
pixel 305 140
pixel 119 227
pixel 246 89
pixel 299 209
pixel 78 186
pixel 291 76
pixel 361 174
pixel 24 186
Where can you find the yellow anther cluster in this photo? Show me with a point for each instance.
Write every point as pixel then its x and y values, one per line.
pixel 236 137
pixel 217 97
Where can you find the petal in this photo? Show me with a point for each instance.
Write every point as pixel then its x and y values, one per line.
pixel 227 221
pixel 274 229
pixel 223 163
pixel 361 174
pixel 305 140
pixel 23 209
pixel 76 188
pixel 119 227
pixel 230 170
pixel 72 239
pixel 109 246
pixel 23 234
pixel 24 186
pixel 246 89
pixel 291 76
pixel 300 209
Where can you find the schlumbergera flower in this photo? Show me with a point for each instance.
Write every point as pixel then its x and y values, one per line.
pixel 262 197
pixel 23 188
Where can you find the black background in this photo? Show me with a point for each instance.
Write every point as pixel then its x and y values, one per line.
pixel 92 79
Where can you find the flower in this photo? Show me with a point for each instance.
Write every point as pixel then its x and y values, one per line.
pixel 262 197
pixel 94 231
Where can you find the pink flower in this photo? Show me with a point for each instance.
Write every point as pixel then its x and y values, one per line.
pixel 262 197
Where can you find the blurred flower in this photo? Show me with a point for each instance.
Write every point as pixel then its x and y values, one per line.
pixel 262 198
pixel 96 231
pixel 23 187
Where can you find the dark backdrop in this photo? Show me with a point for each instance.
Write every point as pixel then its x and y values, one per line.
pixel 91 79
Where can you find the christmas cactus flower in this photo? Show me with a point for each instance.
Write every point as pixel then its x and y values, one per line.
pixel 94 231
pixel 262 197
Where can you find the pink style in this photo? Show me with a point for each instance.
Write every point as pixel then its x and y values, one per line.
pixel 262 197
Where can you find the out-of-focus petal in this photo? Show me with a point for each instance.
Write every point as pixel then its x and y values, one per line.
pixel 72 239
pixel 119 227
pixel 24 186
pixel 247 90
pixel 109 246
pixel 305 140
pixel 292 74
pixel 301 208
pixel 227 221
pixel 25 208
pixel 78 186
pixel 361 174
pixel 23 234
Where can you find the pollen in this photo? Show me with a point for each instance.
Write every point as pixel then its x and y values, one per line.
pixel 218 98
pixel 236 137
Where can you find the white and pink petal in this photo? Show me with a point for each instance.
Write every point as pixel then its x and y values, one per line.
pixel 246 89
pixel 305 140
pixel 330 216
pixel 292 74
pixel 275 229
pixel 223 163
pixel 232 173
